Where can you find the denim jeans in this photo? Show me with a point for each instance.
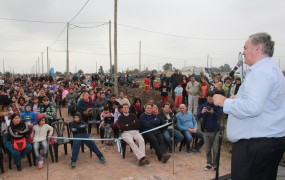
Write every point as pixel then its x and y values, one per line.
pixel 189 137
pixel 37 150
pixel 168 134
pixel 77 144
pixel 17 155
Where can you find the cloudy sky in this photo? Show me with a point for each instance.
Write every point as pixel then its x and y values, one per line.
pixel 181 32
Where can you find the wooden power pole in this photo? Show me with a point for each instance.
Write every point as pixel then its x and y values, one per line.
pixel 67 52
pixel 110 47
pixel 115 49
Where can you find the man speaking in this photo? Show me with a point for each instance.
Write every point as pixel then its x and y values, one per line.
pixel 256 122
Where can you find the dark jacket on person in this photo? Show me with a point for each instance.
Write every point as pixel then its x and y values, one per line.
pixel 135 111
pixel 77 127
pixel 100 103
pixel 83 105
pixel 210 120
pixel 163 120
pixel 129 122
pixel 164 90
pixel 148 121
pixel 17 131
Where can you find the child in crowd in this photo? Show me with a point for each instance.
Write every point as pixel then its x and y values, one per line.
pixel 78 129
pixel 164 90
pixel 178 95
pixel 147 83
pixel 107 127
pixel 117 114
pixel 35 105
pixel 28 116
pixel 39 135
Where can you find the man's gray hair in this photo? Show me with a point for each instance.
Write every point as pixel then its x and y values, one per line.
pixel 265 40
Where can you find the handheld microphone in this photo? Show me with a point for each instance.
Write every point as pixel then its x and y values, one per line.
pixel 239 63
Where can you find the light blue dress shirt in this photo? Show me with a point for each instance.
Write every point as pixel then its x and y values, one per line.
pixel 259 107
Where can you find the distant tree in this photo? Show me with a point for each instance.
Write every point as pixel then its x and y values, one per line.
pixel 101 71
pixel 154 71
pixel 216 70
pixel 167 67
pixel 225 68
pixel 8 74
pixel 136 70
pixel 80 71
pixel 1 74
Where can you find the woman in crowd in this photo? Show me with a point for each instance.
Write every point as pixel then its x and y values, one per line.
pixel 17 135
pixel 137 107
pixel 203 89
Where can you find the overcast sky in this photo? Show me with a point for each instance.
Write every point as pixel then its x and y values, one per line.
pixel 186 31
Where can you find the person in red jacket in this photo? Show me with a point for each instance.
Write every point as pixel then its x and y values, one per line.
pixel 147 83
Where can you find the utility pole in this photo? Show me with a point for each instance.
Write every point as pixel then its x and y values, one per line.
pixel 115 49
pixel 110 47
pixel 39 67
pixel 36 68
pixel 157 67
pixel 96 67
pixel 42 63
pixel 208 60
pixel 67 52
pixel 211 62
pixel 140 60
pixel 184 63
pixel 279 62
pixel 3 66
pixel 47 63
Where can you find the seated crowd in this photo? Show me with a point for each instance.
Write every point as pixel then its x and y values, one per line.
pixel 28 111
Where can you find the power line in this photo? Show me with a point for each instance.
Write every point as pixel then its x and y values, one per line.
pixel 18 51
pixel 180 36
pixel 76 26
pixel 79 11
pixel 33 21
pixel 58 36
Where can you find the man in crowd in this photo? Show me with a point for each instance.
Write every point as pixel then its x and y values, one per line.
pixel 130 125
pixel 166 116
pixel 175 80
pixel 149 121
pixel 192 89
pixel 187 124
pixel 211 115
pixel 256 122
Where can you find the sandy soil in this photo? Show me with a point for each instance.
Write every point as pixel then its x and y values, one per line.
pixel 180 166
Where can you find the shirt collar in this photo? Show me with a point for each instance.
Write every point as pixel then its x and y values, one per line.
pixel 258 63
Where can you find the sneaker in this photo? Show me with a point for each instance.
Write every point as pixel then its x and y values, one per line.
pixel 215 168
pixel 188 150
pixel 208 167
pixel 170 150
pixel 165 158
pixel 101 160
pixel 40 164
pixel 73 164
pixel 196 150
pixel 19 167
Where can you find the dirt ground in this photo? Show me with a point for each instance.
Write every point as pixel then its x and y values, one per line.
pixel 180 166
